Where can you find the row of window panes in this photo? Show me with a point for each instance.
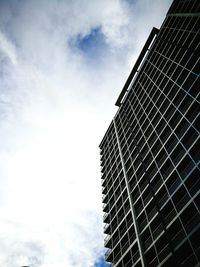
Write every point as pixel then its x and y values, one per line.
pixel 187 23
pixel 117 215
pixel 185 7
pixel 113 186
pixel 111 172
pixel 127 237
pixel 119 228
pixel 156 226
pixel 172 186
pixel 169 147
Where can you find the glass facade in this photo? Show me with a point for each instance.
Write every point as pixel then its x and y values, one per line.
pixel 151 150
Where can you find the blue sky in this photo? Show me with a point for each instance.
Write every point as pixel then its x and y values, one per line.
pixel 101 263
pixel 92 47
pixel 92 44
pixel 62 67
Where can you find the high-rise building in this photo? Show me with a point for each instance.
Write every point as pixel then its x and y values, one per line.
pixel 151 150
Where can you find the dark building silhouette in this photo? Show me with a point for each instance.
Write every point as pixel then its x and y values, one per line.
pixel 151 150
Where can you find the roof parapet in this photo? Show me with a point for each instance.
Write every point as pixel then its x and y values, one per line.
pixel 154 32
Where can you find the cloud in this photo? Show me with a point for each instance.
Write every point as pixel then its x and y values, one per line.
pixel 75 242
pixel 15 249
pixel 63 66
pixel 7 49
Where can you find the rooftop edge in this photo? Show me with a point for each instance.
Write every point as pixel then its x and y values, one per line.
pixel 154 32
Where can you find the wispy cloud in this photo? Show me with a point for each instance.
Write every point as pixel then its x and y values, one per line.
pixel 63 63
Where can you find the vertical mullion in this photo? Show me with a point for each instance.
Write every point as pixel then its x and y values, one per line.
pixel 141 251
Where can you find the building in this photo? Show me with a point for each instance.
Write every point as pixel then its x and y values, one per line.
pixel 151 150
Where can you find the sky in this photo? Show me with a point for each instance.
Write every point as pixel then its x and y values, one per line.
pixel 63 64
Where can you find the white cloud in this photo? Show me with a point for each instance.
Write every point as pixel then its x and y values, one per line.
pixel 55 108
pixel 8 49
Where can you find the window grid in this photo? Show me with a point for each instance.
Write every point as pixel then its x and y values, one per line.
pixel 158 131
